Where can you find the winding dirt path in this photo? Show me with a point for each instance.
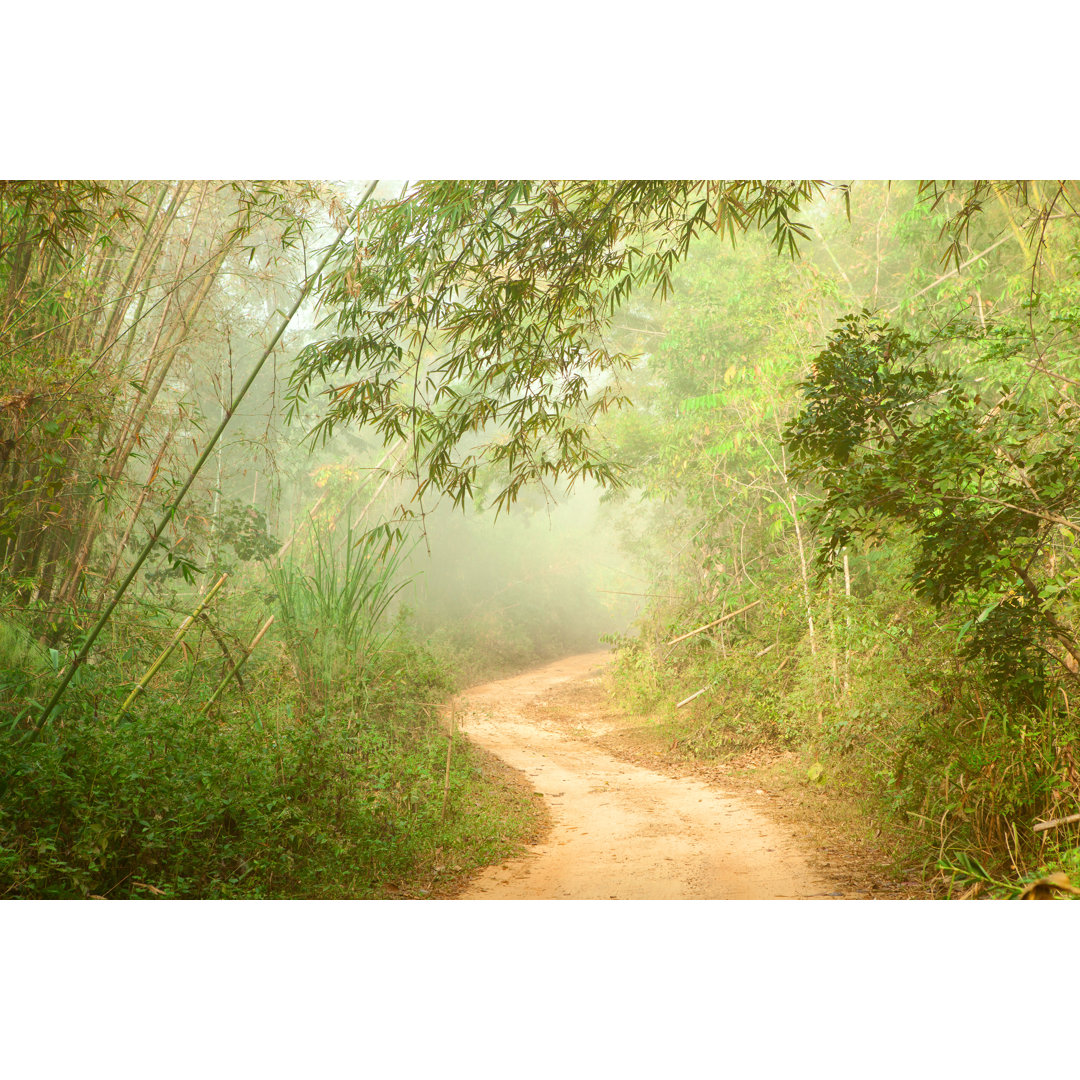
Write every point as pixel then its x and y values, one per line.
pixel 619 831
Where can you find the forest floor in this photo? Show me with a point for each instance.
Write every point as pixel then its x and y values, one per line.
pixel 632 821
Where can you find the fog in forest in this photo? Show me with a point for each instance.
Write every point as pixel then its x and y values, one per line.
pixel 546 580
pixel 289 466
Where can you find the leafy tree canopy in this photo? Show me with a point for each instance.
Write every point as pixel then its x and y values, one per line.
pixel 472 318
pixel 985 483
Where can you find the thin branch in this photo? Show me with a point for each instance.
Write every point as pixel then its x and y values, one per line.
pixel 1053 519
pixel 1043 825
pixel 952 273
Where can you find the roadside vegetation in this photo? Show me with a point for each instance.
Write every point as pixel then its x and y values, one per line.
pixel 280 464
pixel 322 767
pixel 258 718
pixel 861 474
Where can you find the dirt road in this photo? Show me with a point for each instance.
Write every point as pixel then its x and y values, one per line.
pixel 620 831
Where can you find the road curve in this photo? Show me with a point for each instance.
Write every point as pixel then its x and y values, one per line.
pixel 619 831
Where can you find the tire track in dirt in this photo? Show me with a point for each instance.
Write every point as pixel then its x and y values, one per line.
pixel 619 831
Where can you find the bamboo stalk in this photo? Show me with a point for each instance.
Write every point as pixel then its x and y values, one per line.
pixel 449 750
pixel 687 700
pixel 715 622
pixel 160 364
pixel 114 563
pixel 239 664
pixel 87 290
pixel 1043 825
pixel 131 430
pixel 140 686
pixel 143 260
pixel 167 517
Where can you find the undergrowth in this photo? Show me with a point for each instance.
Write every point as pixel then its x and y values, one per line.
pixel 884 709
pixel 178 808
pixel 292 785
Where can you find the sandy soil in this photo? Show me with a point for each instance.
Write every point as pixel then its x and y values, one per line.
pixel 620 831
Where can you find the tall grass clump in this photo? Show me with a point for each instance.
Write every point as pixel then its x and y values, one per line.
pixel 333 615
pixel 23 666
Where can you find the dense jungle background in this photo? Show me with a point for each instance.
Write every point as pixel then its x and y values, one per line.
pixel 285 465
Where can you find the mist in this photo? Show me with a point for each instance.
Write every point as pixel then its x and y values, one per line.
pixel 546 580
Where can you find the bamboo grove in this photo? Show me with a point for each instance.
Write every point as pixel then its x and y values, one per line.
pixel 113 296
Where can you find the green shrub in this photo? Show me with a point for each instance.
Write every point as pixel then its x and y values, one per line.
pixel 271 795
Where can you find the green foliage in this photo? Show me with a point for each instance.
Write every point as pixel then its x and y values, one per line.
pixel 968 201
pixel 244 528
pixel 112 299
pixel 53 216
pixel 235 533
pixel 199 810
pixel 980 479
pixel 475 323
pixel 276 798
pixel 332 616
pixel 23 663
pixel 479 309
pixel 939 455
